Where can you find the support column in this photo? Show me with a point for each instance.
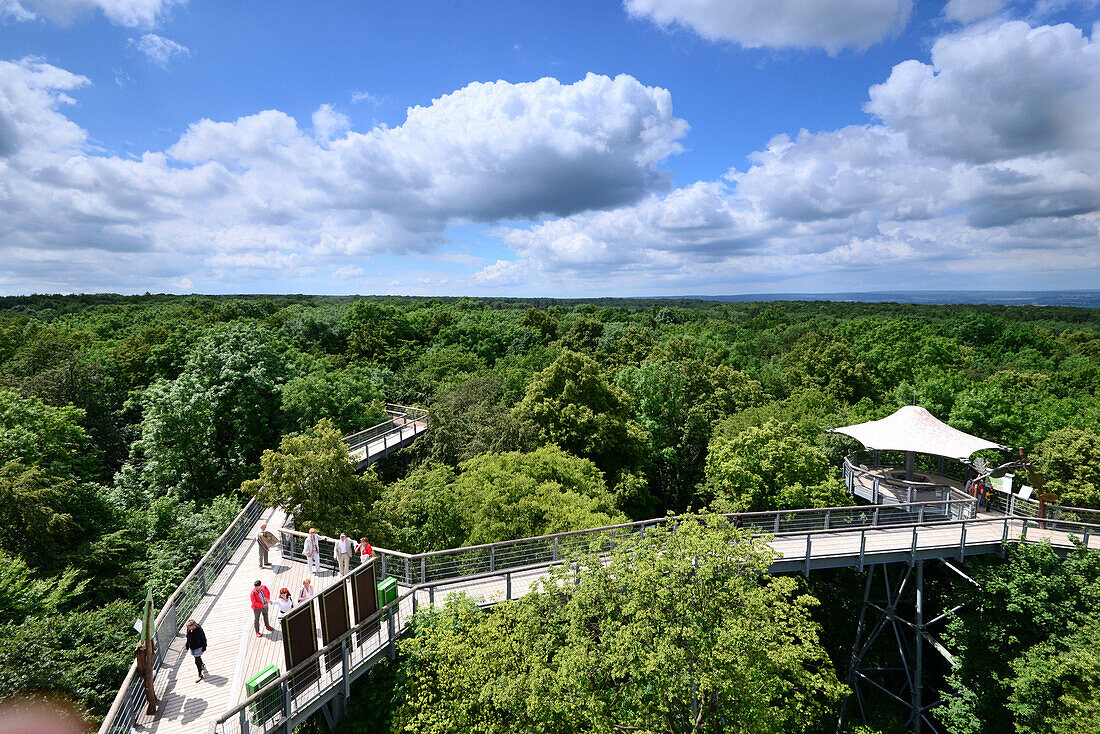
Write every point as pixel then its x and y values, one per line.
pixel 888 652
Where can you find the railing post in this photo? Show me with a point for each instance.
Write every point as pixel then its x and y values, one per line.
pixel 383 565
pixel 287 706
pixel 913 547
pixel 492 558
pixel 508 586
pixel 423 570
pixel 920 515
pixel 874 519
pixel 555 548
pixel 874 491
pixel 202 581
pixel 1011 506
pixel 862 547
pixel 243 719
pixel 807 569
pixel 777 522
pixel 826 519
pixel 1023 533
pixel 612 539
pixel 346 660
pixel 431 595
pixel 962 541
pixel 408 571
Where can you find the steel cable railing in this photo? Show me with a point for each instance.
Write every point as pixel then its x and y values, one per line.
pixel 174 613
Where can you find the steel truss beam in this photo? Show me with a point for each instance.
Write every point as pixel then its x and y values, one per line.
pixel 883 618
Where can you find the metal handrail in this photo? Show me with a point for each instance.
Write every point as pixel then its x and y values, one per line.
pixel 130 684
pixel 408 414
pixel 394 631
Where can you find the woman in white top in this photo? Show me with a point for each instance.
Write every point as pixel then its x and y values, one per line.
pixel 307 591
pixel 284 602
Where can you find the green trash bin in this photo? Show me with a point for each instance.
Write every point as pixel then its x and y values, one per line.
pixel 269 704
pixel 387 591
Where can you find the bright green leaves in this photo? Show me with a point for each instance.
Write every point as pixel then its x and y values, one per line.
pixel 669 633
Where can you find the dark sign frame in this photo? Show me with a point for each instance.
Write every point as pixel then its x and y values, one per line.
pixel 364 597
pixel 299 629
pixel 334 618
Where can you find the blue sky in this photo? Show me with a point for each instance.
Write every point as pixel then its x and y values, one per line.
pixel 648 147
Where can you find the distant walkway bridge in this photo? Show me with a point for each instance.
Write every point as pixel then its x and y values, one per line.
pixel 399 430
pixel 890 533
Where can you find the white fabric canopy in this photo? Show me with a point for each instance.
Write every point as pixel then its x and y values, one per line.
pixel 913 428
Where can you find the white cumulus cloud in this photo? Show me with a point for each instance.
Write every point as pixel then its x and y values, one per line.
pixel 829 24
pixel 158 49
pixel 983 164
pixel 129 13
pixel 260 193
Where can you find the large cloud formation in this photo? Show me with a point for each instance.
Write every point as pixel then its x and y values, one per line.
pixel 131 13
pixel 261 192
pixel 829 24
pixel 986 160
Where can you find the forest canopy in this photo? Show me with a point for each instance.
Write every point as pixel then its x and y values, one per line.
pixel 133 429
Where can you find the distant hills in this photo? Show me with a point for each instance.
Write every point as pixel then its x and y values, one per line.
pixel 1083 299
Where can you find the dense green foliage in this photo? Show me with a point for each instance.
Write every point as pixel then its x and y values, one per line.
pixel 669 633
pixel 129 425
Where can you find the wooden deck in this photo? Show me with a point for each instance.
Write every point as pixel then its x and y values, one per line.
pixel 234 653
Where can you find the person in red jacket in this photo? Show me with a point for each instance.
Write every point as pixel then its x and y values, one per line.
pixel 260 598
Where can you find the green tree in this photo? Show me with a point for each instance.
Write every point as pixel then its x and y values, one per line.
pixel 311 478
pixel 1056 689
pixel 1069 458
pixel 515 495
pixel 26 596
pixel 202 433
pixel 37 434
pixel 420 512
pixel 351 398
pixel 574 406
pixel 772 467
pixel 1035 597
pixel 669 633
pixel 678 402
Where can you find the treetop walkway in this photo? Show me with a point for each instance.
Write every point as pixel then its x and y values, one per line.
pixel 215 594
pixel 396 432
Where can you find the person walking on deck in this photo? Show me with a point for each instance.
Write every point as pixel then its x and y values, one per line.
pixel 342 552
pixel 312 550
pixel 265 541
pixel 307 591
pixel 196 644
pixel 260 598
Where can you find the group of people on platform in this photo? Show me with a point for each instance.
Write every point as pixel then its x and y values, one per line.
pixel 343 550
pixel 260 598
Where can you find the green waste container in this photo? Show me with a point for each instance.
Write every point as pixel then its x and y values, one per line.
pixel 269 704
pixel 387 591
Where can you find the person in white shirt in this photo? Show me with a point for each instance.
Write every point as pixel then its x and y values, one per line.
pixel 307 591
pixel 342 552
pixel 312 551
pixel 284 602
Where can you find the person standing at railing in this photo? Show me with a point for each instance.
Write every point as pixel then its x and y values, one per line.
pixel 312 551
pixel 260 598
pixel 342 552
pixel 363 548
pixel 196 643
pixel 265 541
